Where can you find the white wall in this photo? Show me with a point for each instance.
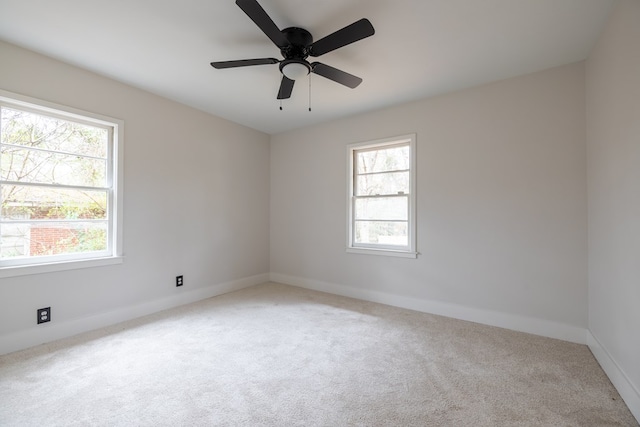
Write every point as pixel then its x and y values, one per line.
pixel 613 141
pixel 196 203
pixel 501 206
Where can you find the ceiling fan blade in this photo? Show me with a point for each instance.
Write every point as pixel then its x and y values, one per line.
pixel 336 75
pixel 257 14
pixel 243 63
pixel 351 33
pixel 286 87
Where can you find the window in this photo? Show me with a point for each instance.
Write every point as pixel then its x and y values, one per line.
pixel 381 197
pixel 59 185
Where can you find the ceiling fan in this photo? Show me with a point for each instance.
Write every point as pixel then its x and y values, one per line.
pixel 296 45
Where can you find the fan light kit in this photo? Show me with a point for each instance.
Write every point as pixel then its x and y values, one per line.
pixel 296 45
pixel 294 70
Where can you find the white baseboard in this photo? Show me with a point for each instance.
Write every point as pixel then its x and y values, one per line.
pixel 55 331
pixel 628 391
pixel 530 325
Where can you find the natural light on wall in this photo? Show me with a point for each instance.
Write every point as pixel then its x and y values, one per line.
pixel 57 176
pixel 381 195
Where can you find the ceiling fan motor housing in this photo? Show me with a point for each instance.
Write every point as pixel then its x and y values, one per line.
pixel 295 66
pixel 300 40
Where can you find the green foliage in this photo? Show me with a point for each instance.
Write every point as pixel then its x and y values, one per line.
pixel 86 240
pixel 87 211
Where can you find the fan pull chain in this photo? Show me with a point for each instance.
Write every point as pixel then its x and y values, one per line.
pixel 309 91
pixel 281 105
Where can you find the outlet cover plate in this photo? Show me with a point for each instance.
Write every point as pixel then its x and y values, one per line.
pixel 44 315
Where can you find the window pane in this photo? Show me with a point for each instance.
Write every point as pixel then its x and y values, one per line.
pixel 48 133
pixel 385 159
pixel 382 208
pixel 383 183
pixel 21 202
pixel 25 165
pixel 381 233
pixel 56 191
pixel 52 238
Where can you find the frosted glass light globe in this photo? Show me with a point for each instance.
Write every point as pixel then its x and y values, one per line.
pixel 295 70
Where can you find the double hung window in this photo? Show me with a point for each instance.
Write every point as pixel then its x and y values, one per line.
pixel 382 197
pixel 58 185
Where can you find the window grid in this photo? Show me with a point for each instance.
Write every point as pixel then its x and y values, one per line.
pixel 16 226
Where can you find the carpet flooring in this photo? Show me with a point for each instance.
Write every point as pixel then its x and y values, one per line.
pixel 275 355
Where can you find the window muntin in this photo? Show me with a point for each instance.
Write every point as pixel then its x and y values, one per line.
pixel 381 199
pixel 58 185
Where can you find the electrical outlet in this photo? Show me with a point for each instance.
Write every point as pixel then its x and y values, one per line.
pixel 179 281
pixel 44 315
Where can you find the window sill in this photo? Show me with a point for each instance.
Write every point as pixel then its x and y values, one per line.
pixel 383 252
pixel 24 270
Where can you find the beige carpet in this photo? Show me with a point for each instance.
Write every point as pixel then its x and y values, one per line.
pixel 275 355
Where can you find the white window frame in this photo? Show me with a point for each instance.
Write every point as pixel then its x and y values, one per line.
pixel 113 255
pixel 410 251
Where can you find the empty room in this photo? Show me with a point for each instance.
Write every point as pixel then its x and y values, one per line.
pixel 320 213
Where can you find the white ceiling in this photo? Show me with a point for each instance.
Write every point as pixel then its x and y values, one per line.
pixel 421 48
